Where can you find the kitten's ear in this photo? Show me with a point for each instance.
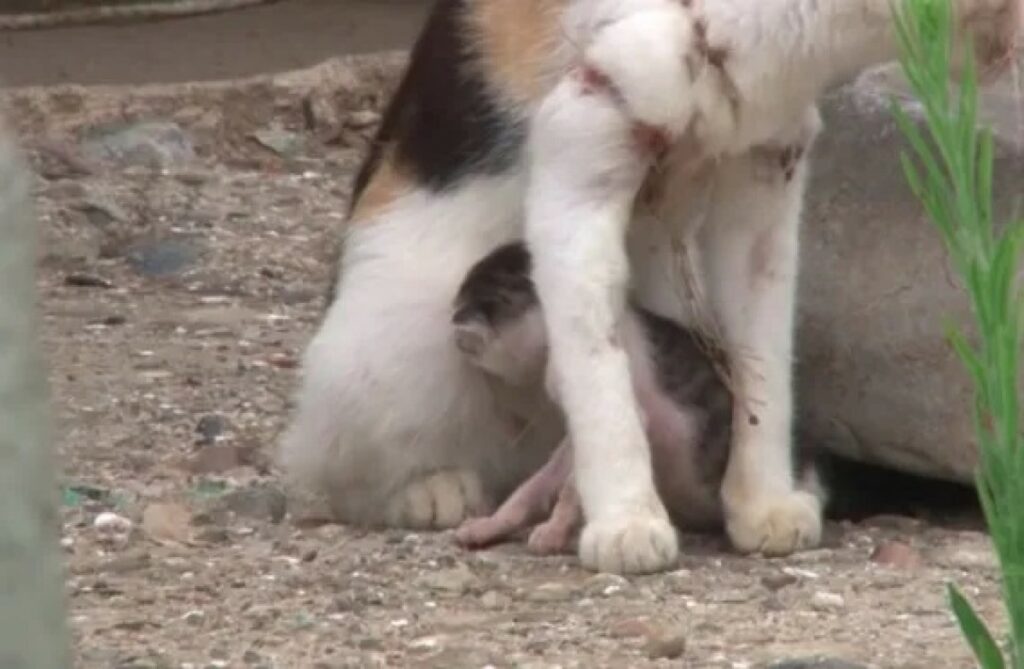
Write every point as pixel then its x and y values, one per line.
pixel 472 337
pixel 464 312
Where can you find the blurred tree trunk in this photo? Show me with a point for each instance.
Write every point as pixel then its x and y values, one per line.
pixel 33 632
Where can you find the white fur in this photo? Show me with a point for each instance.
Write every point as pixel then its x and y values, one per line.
pixel 387 402
pixel 392 423
pixel 754 301
pixel 516 356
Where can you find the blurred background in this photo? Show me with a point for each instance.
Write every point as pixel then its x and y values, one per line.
pixel 270 37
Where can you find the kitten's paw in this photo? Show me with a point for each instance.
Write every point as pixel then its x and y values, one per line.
pixel 551 538
pixel 775 525
pixel 481 532
pixel 638 544
pixel 437 501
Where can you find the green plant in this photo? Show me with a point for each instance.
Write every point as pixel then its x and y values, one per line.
pixel 951 173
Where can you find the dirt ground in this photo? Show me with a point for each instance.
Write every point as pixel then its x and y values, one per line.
pixel 187 236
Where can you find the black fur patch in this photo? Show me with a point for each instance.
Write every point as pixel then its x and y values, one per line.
pixel 443 122
pixel 498 288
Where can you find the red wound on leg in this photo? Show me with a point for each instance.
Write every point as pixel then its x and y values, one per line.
pixel 651 139
pixel 594 80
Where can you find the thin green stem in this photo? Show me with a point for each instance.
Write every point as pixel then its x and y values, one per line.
pixel 951 173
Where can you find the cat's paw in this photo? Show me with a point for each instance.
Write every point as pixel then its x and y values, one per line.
pixel 438 501
pixel 636 544
pixel 481 532
pixel 775 525
pixel 551 538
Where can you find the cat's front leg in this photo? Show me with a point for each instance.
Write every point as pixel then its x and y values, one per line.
pixel 589 150
pixel 751 243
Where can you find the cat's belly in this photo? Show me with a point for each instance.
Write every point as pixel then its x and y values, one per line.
pixel 665 265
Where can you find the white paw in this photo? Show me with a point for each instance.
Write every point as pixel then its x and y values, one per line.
pixel 437 501
pixel 640 544
pixel 775 525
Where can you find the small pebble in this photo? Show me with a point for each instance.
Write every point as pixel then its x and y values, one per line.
pixel 364 118
pixel 425 643
pixel 668 644
pixel 896 554
pixel 492 599
pixel 209 427
pixel 605 584
pixel 778 581
pixel 215 459
pixel 163 257
pixel 283 361
pixel 260 501
pixel 827 601
pixel 82 280
pixel 109 522
pixel 457 580
pixel 550 592
pixel 194 617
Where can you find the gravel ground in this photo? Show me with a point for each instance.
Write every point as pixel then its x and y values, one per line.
pixel 187 248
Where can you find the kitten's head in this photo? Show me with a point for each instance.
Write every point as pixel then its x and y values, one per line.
pixel 497 317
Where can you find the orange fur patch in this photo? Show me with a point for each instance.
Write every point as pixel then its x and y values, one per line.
pixel 515 41
pixel 388 183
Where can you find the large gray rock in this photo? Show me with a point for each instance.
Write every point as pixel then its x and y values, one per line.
pixel 877 379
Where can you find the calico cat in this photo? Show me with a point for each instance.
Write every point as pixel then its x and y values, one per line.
pixel 611 134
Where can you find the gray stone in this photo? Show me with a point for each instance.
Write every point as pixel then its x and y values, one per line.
pixel 457 580
pixel 163 257
pixel 877 379
pixel 209 427
pixel 669 644
pixel 259 501
pixel 100 213
pixel 282 142
pixel 153 144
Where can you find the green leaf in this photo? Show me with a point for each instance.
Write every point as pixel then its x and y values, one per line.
pixel 210 488
pixel 966 354
pixel 71 497
pixel 978 637
pixel 76 494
